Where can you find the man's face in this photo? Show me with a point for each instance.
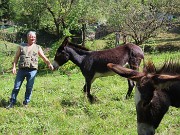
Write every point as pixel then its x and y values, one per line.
pixel 31 38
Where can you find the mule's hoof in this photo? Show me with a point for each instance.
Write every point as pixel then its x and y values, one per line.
pixel 92 99
pixel 128 96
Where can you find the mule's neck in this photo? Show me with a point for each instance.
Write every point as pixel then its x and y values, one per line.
pixel 75 56
pixel 174 94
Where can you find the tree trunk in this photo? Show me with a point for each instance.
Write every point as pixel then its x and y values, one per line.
pixel 57 30
pixel 117 35
pixel 83 34
pixel 124 38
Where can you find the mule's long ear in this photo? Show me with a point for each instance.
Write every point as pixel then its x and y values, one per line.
pixel 165 78
pixel 125 72
pixel 65 41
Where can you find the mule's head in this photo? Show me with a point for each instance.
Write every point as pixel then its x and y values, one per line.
pixel 61 56
pixel 135 62
pixel 151 101
pixel 135 55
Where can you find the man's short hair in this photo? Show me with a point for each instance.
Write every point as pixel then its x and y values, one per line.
pixel 31 32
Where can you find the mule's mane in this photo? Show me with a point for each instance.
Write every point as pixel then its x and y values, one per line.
pixel 169 67
pixel 77 46
pixel 67 42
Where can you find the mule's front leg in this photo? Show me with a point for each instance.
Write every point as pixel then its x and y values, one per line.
pixel 130 88
pixel 87 88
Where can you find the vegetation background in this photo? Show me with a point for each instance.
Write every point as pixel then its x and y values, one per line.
pixel 58 105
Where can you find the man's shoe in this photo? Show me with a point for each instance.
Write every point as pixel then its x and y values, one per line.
pixel 11 105
pixel 25 104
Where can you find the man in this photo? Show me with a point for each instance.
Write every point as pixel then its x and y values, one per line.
pixel 117 34
pixel 27 54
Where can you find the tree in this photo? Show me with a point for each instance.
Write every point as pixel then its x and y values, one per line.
pixel 23 13
pixel 59 10
pixel 140 20
pixel 42 14
pixel 4 10
pixel 85 13
pixel 143 24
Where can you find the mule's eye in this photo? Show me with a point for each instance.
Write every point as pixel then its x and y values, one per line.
pixel 63 52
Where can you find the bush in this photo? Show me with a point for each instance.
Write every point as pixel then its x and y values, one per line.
pixel 10 37
pixel 168 47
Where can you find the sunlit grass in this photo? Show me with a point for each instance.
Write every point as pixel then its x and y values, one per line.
pixel 58 106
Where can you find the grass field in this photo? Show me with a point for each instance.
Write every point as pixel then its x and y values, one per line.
pixel 59 107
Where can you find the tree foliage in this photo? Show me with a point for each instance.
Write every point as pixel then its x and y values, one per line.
pixel 4 9
pixel 57 15
pixel 139 19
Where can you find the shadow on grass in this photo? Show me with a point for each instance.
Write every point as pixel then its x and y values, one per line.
pixel 168 40
pixel 4 103
pixel 68 103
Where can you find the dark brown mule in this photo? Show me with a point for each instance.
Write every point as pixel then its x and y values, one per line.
pixel 93 64
pixel 156 91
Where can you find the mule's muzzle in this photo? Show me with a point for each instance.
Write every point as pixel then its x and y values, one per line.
pixel 55 65
pixel 145 129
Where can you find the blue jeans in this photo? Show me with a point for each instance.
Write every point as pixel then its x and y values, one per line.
pixel 30 75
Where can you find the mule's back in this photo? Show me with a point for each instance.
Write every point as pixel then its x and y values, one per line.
pixel 120 55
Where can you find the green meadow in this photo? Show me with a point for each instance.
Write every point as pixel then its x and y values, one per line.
pixel 59 106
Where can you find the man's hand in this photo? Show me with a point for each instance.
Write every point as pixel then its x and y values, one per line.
pixel 51 66
pixel 14 70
